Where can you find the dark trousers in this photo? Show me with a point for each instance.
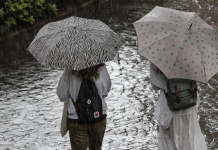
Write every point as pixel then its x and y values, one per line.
pixel 83 136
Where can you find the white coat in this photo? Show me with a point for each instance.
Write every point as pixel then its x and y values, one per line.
pixel 103 84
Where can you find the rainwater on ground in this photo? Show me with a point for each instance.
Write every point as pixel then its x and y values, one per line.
pixel 30 111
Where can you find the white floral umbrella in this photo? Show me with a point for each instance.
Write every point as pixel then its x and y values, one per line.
pixel 179 43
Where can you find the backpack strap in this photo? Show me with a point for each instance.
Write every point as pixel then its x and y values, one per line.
pixel 192 90
pixel 76 105
pixel 177 93
pixel 70 74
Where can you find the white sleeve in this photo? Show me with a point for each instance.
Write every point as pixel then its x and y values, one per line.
pixel 106 82
pixel 157 79
pixel 62 89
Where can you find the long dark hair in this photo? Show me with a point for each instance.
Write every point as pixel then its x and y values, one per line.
pixel 89 73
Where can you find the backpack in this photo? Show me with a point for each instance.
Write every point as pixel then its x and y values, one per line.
pixel 88 104
pixel 182 93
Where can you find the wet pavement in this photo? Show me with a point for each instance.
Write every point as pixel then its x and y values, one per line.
pixel 30 112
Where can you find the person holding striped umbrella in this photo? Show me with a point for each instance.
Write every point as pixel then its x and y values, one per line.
pixel 81 47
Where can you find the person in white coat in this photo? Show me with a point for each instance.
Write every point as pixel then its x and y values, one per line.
pixel 83 136
pixel 178 130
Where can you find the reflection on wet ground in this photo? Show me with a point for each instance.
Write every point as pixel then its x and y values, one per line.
pixel 30 111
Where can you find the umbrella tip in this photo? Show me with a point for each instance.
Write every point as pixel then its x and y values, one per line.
pixel 190 26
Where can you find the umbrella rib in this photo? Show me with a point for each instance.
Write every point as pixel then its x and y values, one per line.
pixel 209 29
pixel 157 21
pixel 201 58
pixel 178 53
pixel 159 40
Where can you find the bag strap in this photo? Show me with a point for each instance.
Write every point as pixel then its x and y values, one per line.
pixel 192 90
pixel 74 103
pixel 177 93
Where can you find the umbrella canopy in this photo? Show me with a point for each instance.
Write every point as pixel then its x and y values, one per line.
pixel 179 43
pixel 75 43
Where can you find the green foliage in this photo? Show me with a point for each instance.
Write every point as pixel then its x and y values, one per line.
pixel 19 12
pixel 2 13
pixel 52 9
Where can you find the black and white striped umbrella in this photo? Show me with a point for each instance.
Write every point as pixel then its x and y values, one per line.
pixel 75 43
